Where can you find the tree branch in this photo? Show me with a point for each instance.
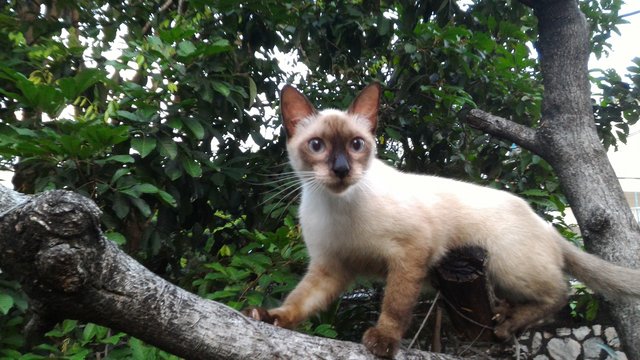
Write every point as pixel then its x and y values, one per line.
pixel 503 128
pixel 53 245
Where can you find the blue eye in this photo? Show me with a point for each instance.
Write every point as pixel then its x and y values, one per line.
pixel 357 144
pixel 316 145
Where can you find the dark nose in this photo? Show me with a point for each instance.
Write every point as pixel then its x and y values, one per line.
pixel 341 166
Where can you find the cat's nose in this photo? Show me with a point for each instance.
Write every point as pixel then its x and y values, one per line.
pixel 341 166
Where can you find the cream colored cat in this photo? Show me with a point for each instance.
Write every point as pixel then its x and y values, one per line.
pixel 360 216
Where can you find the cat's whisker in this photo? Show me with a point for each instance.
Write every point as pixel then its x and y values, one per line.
pixel 315 185
pixel 294 198
pixel 294 190
pixel 281 190
pixel 282 179
pixel 280 174
pixel 287 187
pixel 366 186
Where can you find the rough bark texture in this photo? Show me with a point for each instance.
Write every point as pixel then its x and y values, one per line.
pixel 567 139
pixel 53 245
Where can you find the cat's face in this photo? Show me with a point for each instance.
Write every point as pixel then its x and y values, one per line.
pixel 330 148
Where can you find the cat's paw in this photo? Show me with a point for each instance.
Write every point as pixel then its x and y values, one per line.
pixel 380 344
pixel 502 310
pixel 260 314
pixel 504 331
pixel 276 317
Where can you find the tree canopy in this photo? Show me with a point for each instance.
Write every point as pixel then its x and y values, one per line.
pixel 165 115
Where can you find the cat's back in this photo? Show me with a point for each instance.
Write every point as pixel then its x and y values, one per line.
pixel 427 190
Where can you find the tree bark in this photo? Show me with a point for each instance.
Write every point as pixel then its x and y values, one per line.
pixel 567 139
pixel 53 245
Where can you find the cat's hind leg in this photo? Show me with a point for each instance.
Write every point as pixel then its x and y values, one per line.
pixel 517 316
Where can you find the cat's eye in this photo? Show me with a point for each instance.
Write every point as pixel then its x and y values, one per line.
pixel 316 145
pixel 357 144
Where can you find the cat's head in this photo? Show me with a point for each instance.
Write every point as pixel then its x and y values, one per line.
pixel 333 148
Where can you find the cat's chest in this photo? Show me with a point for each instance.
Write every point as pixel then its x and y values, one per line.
pixel 339 227
pixel 338 218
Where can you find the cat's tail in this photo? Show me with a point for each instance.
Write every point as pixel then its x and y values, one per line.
pixel 598 274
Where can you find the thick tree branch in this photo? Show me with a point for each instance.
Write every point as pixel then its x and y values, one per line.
pixel 503 128
pixel 53 245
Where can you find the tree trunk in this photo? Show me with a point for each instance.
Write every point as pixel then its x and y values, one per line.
pixel 53 245
pixel 567 139
pixel 467 293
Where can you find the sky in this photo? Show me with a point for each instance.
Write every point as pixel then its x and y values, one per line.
pixel 624 48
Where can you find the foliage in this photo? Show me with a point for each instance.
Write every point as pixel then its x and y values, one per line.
pixel 617 107
pixel 13 304
pixel 164 115
pixel 71 340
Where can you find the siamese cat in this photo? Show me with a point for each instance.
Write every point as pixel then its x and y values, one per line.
pixel 360 216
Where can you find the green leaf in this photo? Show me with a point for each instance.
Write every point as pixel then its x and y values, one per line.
pixel 143 145
pixel 24 131
pixel 86 78
pixel 68 87
pixel 218 46
pixel 196 128
pixel 168 148
pixel 28 89
pixel 142 205
pixel 127 159
pixel 166 197
pixel 68 326
pixel 535 192
pixel 6 303
pixel 116 237
pixel 12 95
pixel 225 250
pixel 175 123
pixel 253 92
pixel 221 88
pixel 222 294
pixel 192 167
pixel 16 341
pixel 173 170
pixel 128 115
pixel 119 173
pixel 410 48
pixel 254 298
pixel 89 332
pixel 73 87
pixel 186 48
pixel 112 340
pixel 50 99
pixel 145 188
pixel 325 330
pixel 120 206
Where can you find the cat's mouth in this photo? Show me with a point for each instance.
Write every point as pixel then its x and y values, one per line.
pixel 338 185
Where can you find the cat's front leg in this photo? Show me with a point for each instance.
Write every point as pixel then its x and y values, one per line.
pixel 404 281
pixel 322 284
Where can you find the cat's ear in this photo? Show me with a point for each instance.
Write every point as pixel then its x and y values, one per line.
pixel 294 107
pixel 367 104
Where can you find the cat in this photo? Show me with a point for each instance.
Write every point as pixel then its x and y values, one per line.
pixel 360 216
